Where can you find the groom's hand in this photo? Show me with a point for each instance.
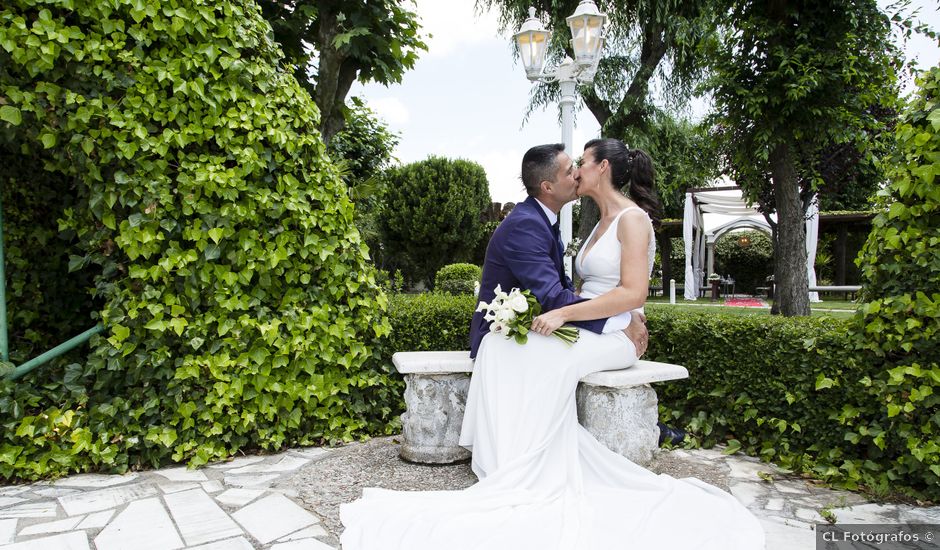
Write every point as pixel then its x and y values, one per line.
pixel 637 333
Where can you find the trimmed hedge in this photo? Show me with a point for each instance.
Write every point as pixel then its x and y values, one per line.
pixel 430 322
pixel 795 391
pixel 433 215
pixel 457 278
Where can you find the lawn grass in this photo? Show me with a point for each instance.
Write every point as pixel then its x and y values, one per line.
pixel 831 308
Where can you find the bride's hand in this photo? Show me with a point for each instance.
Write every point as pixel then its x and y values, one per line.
pixel 546 323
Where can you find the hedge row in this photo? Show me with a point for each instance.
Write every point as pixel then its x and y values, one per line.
pixel 794 391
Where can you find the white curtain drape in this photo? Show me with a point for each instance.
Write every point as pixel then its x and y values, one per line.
pixel 722 202
pixel 812 235
pixel 688 221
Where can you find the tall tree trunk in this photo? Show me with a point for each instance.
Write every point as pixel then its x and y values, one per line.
pixel 791 288
pixel 335 76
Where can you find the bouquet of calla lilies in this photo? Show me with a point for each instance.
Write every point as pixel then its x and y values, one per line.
pixel 511 314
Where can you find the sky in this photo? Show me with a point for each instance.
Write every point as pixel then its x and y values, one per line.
pixel 467 96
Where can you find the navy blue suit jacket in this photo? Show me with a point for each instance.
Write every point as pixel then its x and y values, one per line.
pixel 522 253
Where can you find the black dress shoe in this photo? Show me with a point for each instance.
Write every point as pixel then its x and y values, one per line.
pixel 674 436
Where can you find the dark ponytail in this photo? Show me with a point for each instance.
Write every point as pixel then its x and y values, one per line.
pixel 643 184
pixel 633 168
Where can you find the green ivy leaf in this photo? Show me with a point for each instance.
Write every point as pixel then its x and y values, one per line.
pixel 11 115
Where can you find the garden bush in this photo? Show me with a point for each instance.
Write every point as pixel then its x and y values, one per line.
pixel 794 391
pixel 457 278
pixel 899 323
pixel 241 311
pixel 434 215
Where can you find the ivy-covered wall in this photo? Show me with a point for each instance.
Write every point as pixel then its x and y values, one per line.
pixel 241 311
pixel 899 324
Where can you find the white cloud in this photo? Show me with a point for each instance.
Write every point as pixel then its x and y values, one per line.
pixel 453 24
pixel 502 170
pixel 391 109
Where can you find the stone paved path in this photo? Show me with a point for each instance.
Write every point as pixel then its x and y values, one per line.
pixel 289 501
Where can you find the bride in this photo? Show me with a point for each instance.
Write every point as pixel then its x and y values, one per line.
pixel 545 482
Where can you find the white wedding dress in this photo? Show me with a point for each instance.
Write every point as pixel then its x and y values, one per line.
pixel 545 482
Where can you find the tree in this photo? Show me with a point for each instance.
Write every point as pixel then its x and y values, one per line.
pixel 682 153
pixel 434 215
pixel 792 78
pixel 648 41
pixel 340 42
pixel 363 149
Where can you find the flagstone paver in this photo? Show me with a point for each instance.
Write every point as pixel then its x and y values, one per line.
pixel 212 486
pixel 96 520
pixel 103 499
pixel 273 517
pixel 238 543
pixel 182 474
pixel 60 526
pixel 143 525
pixel 94 480
pixel 30 510
pixel 239 497
pixel 7 530
pixel 9 501
pixel 199 518
pixel 290 501
pixel 76 540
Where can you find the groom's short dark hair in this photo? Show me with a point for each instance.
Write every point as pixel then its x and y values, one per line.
pixel 539 164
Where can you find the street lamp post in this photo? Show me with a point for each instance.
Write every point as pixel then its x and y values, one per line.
pixel 587 40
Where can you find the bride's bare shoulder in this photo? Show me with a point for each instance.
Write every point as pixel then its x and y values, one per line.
pixel 633 224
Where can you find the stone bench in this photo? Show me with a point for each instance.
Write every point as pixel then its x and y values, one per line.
pixel 618 407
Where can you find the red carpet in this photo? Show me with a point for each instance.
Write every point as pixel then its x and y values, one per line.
pixel 745 302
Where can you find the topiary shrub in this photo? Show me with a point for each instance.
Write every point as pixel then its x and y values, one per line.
pixel 458 278
pixel 241 311
pixel 433 215
pixel 899 322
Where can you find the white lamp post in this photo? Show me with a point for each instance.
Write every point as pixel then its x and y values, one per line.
pixel 587 40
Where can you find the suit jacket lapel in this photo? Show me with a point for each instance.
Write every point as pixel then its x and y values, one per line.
pixel 556 252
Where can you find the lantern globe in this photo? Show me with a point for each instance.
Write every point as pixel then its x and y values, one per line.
pixel 587 30
pixel 532 41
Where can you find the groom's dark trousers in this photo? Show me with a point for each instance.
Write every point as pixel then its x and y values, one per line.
pixel 525 253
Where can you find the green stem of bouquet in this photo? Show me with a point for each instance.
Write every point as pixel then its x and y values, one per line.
pixel 568 335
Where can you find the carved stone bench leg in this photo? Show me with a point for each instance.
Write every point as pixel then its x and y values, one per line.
pixel 623 419
pixel 434 413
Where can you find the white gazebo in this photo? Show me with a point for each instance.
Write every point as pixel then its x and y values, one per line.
pixel 713 212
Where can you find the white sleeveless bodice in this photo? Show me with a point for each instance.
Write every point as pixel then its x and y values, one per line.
pixel 599 266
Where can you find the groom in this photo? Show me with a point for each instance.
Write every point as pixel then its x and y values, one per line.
pixel 526 251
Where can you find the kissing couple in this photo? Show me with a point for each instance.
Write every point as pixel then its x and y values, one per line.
pixel 545 482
